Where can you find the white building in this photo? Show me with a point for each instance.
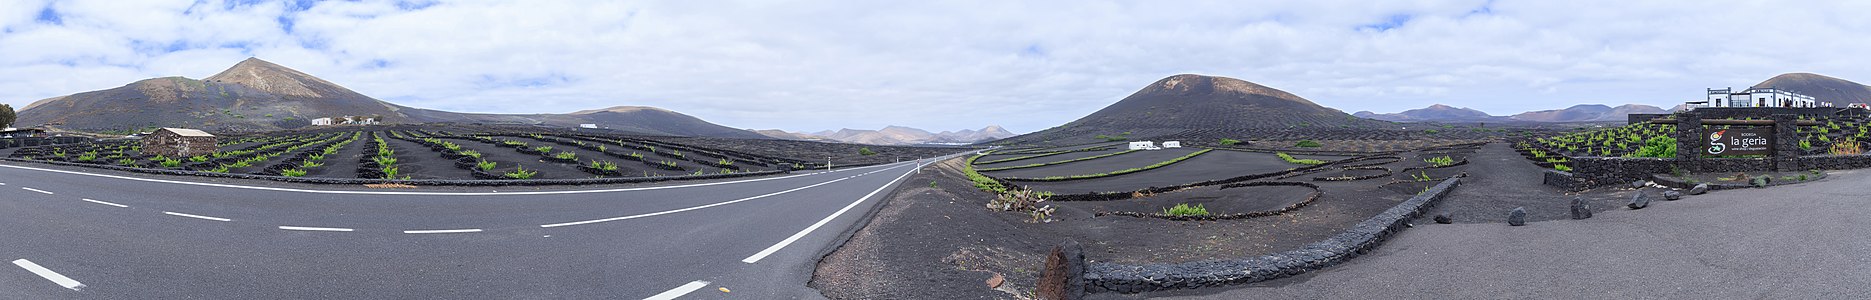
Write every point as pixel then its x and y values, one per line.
pixel 1144 145
pixel 321 122
pixel 1172 144
pixel 590 126
pixel 1757 97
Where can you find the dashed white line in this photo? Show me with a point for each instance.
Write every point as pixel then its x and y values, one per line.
pixel 697 207
pixel 279 189
pixel 196 216
pixel 815 226
pixel 442 231
pixel 55 277
pixel 104 203
pixel 315 228
pixel 37 190
pixel 685 289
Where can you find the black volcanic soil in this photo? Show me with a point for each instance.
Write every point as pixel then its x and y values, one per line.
pixel 1046 159
pixel 897 256
pixel 1214 165
pixel 1103 165
pixel 1504 180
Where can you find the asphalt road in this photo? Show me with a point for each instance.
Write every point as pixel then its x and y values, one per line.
pixel 72 235
pixel 1803 241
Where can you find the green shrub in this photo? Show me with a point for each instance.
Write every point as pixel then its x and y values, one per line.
pixel 1230 142
pixel 543 149
pixel 1184 210
pixel 385 161
pixel 389 172
pixel 471 153
pixel 866 151
pixel 1440 161
pixel 1290 159
pixel 292 173
pixel 521 173
pixel 1308 144
pixel 310 164
pixel 486 165
pixel 171 163
pixel 565 155
pixel 1659 146
pixel 1562 168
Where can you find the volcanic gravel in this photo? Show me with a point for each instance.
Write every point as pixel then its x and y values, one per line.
pixel 1103 165
pixel 1214 165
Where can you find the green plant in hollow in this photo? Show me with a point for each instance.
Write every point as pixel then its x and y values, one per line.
pixel 292 173
pixel 310 164
pixel 1422 176
pixel 1562 168
pixel 389 172
pixel 385 161
pixel 471 153
pixel 1229 142
pixel 866 151
pixel 565 156
pixel 126 162
pixel 1440 161
pixel 1291 160
pixel 1185 210
pixel 543 149
pixel 1308 144
pixel 171 163
pixel 521 173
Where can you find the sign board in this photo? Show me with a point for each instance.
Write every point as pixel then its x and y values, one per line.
pixel 1736 142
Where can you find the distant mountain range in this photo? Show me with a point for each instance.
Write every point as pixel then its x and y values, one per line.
pixel 256 95
pixel 895 135
pixel 1576 113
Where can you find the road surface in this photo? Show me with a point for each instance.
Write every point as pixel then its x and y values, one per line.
pixel 68 233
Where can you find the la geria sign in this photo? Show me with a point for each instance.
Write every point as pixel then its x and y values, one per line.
pixel 1735 142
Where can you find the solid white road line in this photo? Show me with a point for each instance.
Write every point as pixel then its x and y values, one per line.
pixel 278 189
pixel 697 207
pixel 442 231
pixel 104 203
pixel 55 277
pixel 679 291
pixel 196 216
pixel 315 228
pixel 36 190
pixel 827 219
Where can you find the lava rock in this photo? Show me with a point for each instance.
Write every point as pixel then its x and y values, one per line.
pixel 1637 184
pixel 1581 210
pixel 1639 201
pixel 1517 217
pixel 1672 195
pixel 1699 189
pixel 1443 218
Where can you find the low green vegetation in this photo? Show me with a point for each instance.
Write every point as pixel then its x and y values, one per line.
pixel 486 166
pixel 1230 142
pixel 1291 160
pixel 866 151
pixel 1185 210
pixel 292 173
pixel 1308 144
pixel 1121 172
pixel 1443 161
pixel 1058 162
pixel 521 173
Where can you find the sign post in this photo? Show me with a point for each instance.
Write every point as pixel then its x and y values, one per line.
pixel 1738 142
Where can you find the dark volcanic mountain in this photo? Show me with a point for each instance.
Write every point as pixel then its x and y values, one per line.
pixel 1180 104
pixel 1588 113
pixel 256 95
pixel 1436 113
pixel 1823 88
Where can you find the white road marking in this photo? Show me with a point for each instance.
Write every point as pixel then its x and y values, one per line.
pixel 315 228
pixel 696 207
pixel 442 231
pixel 278 189
pixel 36 190
pixel 104 203
pixel 196 216
pixel 55 277
pixel 679 291
pixel 815 226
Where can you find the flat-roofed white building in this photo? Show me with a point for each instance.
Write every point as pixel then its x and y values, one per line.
pixel 321 122
pixel 1757 97
pixel 1144 145
pixel 1172 144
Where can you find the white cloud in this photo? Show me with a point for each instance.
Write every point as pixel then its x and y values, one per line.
pixel 941 65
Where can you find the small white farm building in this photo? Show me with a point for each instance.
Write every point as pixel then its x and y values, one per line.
pixel 1144 145
pixel 321 122
pixel 1172 144
pixel 1757 97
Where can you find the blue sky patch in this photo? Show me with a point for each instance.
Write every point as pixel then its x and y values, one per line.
pixel 1394 21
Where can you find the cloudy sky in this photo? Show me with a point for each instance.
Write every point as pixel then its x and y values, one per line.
pixel 940 65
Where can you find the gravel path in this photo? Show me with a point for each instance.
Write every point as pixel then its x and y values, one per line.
pixel 1502 180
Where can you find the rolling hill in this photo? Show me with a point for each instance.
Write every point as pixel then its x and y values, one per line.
pixel 256 95
pixel 1823 88
pixel 1200 106
pixel 1438 112
pixel 896 135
